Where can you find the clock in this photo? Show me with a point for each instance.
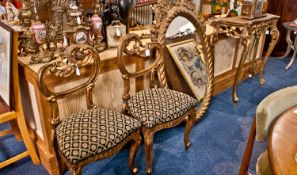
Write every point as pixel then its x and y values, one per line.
pixel 81 37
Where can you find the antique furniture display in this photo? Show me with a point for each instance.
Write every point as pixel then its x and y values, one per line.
pixel 282 143
pixel 267 112
pixel 94 134
pixel 243 31
pixel 156 108
pixel 291 45
pixel 166 15
pixel 109 89
pixel 13 112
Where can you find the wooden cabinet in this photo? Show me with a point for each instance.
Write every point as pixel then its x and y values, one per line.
pixel 286 9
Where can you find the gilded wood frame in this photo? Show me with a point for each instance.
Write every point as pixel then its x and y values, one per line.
pixel 183 8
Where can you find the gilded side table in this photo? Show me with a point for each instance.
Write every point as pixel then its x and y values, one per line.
pixel 291 45
pixel 243 31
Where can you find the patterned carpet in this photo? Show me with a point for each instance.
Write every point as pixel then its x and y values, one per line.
pixel 217 141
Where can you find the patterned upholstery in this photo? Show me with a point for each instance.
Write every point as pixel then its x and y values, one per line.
pixel 157 106
pixel 82 135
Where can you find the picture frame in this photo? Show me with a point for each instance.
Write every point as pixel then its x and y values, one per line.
pixel 191 66
pixel 6 54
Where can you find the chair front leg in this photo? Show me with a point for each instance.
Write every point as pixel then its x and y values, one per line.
pixel 133 150
pixel 148 147
pixel 76 171
pixel 190 120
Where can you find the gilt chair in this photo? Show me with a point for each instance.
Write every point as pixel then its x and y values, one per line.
pixel 13 112
pixel 267 111
pixel 156 108
pixel 93 134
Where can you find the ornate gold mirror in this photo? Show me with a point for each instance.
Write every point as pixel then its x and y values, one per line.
pixel 188 61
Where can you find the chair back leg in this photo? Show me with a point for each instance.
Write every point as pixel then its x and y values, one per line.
pixel 244 167
pixel 27 139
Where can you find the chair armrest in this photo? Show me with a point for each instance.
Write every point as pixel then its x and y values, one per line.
pixel 271 107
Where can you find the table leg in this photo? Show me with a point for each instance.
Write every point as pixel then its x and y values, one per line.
pixel 294 54
pixel 290 43
pixel 245 42
pixel 274 33
pixel 255 51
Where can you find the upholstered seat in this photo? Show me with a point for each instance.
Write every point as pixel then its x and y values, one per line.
pixel 91 132
pixel 157 106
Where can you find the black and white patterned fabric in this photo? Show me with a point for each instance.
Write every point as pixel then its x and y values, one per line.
pixel 157 106
pixel 82 135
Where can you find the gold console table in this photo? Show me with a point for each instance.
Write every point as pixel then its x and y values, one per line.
pixel 248 34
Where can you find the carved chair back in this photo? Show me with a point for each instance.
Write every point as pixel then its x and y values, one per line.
pixel 75 61
pixel 151 53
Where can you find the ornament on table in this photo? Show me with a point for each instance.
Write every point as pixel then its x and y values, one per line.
pixel 40 34
pixel 252 9
pixel 125 9
pixel 12 13
pixel 114 32
pixel 96 28
pixel 219 7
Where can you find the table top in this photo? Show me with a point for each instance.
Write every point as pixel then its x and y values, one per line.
pixel 290 26
pixel 282 145
pixel 237 20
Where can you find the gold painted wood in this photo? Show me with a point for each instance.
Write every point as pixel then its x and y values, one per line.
pixel 182 8
pixel 17 115
pixel 156 61
pixel 108 69
pixel 73 60
pixel 238 28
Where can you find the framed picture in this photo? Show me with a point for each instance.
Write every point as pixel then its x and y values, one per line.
pixel 191 66
pixel 6 39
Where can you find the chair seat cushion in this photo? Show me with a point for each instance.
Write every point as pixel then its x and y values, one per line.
pixel 84 134
pixel 156 106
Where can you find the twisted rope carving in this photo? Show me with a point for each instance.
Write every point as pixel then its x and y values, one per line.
pixel 201 31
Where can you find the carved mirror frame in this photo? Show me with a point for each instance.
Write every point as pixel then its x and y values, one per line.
pixel 166 11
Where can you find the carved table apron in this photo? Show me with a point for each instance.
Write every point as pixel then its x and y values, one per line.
pixel 242 30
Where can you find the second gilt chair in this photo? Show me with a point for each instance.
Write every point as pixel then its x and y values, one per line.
pixel 94 134
pixel 157 108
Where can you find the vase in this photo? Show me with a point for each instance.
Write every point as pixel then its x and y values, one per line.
pixel 125 8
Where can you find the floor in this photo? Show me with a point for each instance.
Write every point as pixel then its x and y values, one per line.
pixel 218 140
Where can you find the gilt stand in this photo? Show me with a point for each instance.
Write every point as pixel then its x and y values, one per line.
pixel 291 45
pixel 242 30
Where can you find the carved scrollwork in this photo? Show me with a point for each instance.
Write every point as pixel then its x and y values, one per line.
pixel 71 60
pixel 231 31
pixel 259 29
